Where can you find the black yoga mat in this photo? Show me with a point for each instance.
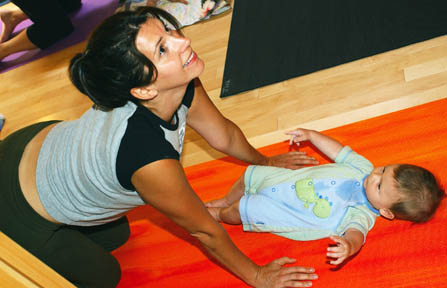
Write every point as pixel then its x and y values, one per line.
pixel 271 41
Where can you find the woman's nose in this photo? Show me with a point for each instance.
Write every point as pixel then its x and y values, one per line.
pixel 181 43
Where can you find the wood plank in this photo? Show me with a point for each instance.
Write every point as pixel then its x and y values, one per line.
pixel 19 268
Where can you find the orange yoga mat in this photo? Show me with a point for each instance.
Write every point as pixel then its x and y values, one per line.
pixel 396 253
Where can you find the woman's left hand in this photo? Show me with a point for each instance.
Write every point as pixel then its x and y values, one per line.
pixel 291 160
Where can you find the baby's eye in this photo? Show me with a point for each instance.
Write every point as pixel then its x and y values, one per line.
pixel 378 187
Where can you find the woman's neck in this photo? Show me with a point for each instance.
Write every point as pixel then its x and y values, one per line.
pixel 166 103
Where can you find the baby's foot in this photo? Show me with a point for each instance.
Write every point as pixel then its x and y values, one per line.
pixel 9 20
pixel 221 202
pixel 215 212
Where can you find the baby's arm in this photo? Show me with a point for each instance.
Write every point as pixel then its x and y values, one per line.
pixel 347 246
pixel 329 146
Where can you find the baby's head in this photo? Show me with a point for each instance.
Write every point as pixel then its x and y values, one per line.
pixel 403 191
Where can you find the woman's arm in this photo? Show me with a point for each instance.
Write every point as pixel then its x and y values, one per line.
pixel 163 185
pixel 225 136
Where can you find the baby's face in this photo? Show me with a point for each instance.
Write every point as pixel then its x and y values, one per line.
pixel 381 188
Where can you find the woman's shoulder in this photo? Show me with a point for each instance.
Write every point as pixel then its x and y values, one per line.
pixel 143 142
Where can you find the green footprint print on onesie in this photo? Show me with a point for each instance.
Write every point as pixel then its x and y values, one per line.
pixel 305 191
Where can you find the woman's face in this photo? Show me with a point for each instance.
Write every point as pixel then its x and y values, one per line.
pixel 171 53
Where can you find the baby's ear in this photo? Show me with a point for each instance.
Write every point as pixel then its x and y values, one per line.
pixel 385 212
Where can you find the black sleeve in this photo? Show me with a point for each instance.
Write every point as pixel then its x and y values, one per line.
pixel 143 143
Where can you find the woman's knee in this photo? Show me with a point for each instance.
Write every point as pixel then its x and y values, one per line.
pixel 103 274
pixel 111 274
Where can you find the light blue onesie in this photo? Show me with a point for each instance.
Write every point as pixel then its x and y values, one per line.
pixel 309 203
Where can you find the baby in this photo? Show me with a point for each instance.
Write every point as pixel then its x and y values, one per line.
pixel 339 200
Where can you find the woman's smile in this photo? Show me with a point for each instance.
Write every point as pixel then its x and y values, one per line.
pixel 192 58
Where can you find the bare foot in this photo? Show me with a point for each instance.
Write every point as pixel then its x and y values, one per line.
pixel 7 28
pixel 9 20
pixel 215 212
pixel 219 203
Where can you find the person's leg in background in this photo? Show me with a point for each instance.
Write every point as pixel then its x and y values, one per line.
pixel 9 20
pixel 51 24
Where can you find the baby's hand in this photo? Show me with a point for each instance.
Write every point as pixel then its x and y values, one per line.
pixel 299 135
pixel 339 252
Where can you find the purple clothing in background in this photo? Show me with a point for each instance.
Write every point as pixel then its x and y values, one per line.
pixel 84 21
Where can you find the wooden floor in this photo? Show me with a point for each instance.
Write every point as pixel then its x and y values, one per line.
pixel 359 90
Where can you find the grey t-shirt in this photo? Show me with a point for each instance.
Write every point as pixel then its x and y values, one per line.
pixel 78 177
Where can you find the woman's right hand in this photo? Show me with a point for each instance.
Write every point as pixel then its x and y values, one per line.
pixel 274 275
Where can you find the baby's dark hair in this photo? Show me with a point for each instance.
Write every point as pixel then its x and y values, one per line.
pixel 111 64
pixel 420 193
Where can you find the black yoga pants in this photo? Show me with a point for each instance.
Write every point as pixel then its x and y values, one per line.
pixel 80 254
pixel 51 20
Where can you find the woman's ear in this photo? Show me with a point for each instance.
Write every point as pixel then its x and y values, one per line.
pixel 144 93
pixel 385 212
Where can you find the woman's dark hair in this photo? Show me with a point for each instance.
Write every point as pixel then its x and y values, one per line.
pixel 111 64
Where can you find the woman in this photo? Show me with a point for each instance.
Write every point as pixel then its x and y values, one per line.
pixel 75 180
